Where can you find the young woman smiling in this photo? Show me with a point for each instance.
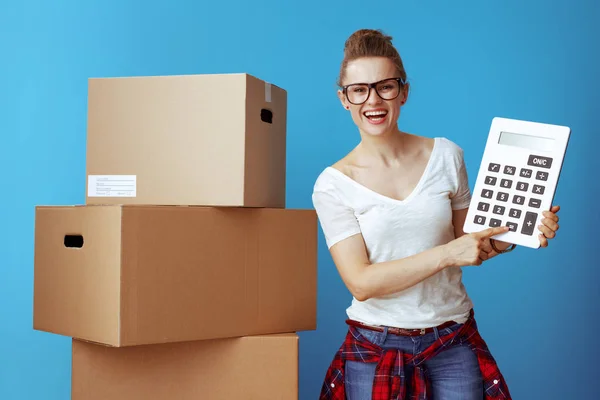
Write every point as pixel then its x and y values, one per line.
pixel 392 212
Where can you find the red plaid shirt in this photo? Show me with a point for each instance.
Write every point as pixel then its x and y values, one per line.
pixel 389 382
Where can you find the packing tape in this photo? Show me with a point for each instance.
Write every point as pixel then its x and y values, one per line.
pixel 267 92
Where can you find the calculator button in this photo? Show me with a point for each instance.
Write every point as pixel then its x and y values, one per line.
pixel 495 222
pixel 479 219
pixel 515 213
pixel 509 170
pixel 499 210
pixel 522 186
pixel 542 176
pixel 483 206
pixel 512 226
pixel 518 199
pixel 526 173
pixel 529 223
pixel 490 180
pixel 535 203
pixel 539 161
pixel 502 196
pixel 494 167
pixel 506 183
pixel 487 193
pixel 538 189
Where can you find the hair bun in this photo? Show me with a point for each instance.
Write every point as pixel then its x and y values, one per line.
pixel 370 43
pixel 365 34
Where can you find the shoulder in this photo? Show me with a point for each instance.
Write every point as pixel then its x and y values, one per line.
pixel 449 147
pixel 327 186
pixel 439 146
pixel 333 177
pixel 333 189
pixel 325 181
pixel 449 153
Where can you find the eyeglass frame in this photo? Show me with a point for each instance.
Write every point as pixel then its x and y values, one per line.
pixel 373 85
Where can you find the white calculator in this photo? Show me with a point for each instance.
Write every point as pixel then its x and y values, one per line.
pixel 517 179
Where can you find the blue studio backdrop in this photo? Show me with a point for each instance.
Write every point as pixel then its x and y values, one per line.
pixel 467 62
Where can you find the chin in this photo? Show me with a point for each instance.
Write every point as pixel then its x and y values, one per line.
pixel 369 131
pixel 376 130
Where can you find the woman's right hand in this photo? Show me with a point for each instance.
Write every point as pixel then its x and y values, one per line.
pixel 469 248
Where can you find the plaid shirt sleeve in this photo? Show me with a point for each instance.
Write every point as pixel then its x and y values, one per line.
pixel 389 384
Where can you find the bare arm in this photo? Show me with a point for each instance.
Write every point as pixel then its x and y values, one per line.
pixel 366 280
pixel 458 220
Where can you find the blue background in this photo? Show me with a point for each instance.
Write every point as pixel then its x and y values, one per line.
pixel 467 62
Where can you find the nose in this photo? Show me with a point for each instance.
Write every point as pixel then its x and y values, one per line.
pixel 373 96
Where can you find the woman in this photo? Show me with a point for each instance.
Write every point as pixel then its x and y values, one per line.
pixel 392 212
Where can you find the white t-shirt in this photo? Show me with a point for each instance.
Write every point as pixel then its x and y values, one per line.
pixel 394 229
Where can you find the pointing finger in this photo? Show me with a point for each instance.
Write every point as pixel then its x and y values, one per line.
pixel 489 232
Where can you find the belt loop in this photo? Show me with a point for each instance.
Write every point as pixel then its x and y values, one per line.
pixel 384 335
pixel 436 332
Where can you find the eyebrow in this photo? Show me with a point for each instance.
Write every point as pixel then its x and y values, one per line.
pixel 374 82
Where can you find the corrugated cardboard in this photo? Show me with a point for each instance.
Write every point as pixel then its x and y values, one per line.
pixel 131 275
pixel 250 368
pixel 213 139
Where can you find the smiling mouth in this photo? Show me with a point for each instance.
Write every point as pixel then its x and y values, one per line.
pixel 375 115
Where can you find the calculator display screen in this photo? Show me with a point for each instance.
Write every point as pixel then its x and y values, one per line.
pixel 526 141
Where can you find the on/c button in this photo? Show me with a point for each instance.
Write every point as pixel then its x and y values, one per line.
pixel 539 161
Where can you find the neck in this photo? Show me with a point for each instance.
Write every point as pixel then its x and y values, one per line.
pixel 386 148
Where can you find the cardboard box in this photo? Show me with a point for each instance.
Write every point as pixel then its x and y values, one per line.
pixel 214 139
pixel 252 368
pixel 131 275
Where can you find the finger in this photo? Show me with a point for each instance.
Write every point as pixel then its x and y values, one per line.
pixel 554 209
pixel 548 233
pixel 489 232
pixel 543 240
pixel 550 224
pixel 550 215
pixel 486 256
pixel 486 246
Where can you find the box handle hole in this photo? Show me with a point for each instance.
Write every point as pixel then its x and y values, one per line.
pixel 266 116
pixel 74 241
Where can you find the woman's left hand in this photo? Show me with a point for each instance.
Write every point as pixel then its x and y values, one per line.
pixel 548 230
pixel 549 226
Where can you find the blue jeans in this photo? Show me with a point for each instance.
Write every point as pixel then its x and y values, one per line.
pixel 454 373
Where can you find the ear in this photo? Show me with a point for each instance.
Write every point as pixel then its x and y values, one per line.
pixel 405 90
pixel 343 99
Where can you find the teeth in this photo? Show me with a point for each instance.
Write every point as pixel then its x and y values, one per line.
pixel 375 113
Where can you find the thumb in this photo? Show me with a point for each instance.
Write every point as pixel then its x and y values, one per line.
pixel 489 232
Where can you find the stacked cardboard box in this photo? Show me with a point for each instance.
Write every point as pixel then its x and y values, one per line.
pixel 184 275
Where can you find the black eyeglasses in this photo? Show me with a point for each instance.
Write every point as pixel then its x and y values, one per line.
pixel 387 89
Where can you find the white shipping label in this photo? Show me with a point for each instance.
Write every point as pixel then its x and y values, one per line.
pixel 112 185
pixel 268 92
